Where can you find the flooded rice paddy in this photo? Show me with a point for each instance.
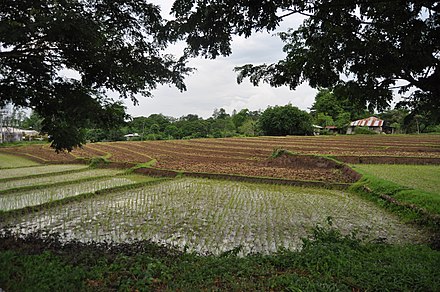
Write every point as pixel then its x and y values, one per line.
pixel 39 170
pixel 56 178
pixel 18 200
pixel 209 216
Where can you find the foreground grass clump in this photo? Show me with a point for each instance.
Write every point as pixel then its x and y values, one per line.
pixel 328 261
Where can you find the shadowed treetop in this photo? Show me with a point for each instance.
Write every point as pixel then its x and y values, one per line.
pixel 110 45
pixel 364 49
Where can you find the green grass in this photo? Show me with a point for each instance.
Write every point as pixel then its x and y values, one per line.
pixel 327 262
pixel 9 161
pixel 408 184
pixel 423 177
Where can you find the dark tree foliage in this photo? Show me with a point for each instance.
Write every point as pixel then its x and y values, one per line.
pixel 110 45
pixel 363 48
pixel 328 102
pixel 285 120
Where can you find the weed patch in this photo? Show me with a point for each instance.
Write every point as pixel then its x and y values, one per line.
pixel 278 152
pixel 98 162
pixel 327 261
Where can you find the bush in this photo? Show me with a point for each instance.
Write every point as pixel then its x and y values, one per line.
pixel 98 162
pixel 285 120
pixel 432 129
pixel 364 131
pixel 278 152
pixel 325 132
pixel 153 137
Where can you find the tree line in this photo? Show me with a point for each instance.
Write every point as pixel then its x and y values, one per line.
pixel 328 109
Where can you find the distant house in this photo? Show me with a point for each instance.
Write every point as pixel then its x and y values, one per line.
pixel 131 136
pixel 332 129
pixel 11 134
pixel 316 130
pixel 372 123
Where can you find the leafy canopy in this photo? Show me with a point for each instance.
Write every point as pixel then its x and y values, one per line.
pixel 285 120
pixel 333 104
pixel 365 49
pixel 109 45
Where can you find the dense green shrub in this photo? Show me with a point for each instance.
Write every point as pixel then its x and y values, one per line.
pixel 432 129
pixel 285 120
pixel 364 131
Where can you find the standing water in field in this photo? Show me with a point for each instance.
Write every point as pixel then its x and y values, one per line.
pixel 208 216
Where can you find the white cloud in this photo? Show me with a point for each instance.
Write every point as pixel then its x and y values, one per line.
pixel 214 83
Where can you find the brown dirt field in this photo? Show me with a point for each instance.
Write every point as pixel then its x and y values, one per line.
pixel 39 153
pixel 329 147
pixel 250 156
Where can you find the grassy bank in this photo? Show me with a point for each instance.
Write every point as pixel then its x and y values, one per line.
pixel 420 177
pixel 412 189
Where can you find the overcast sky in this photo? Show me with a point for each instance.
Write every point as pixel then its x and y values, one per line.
pixel 213 85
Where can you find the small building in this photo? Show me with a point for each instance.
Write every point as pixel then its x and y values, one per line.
pixel 11 134
pixel 131 136
pixel 316 130
pixel 332 129
pixel 372 123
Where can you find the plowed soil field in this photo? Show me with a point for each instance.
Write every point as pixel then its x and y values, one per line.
pixel 250 156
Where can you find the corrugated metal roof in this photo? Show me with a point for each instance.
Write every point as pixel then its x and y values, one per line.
pixel 368 122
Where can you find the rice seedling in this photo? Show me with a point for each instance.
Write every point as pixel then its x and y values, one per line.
pixel 57 178
pixel 13 201
pixel 39 170
pixel 10 161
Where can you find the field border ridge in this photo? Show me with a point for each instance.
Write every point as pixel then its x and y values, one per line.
pixel 151 171
pixel 386 159
pixel 366 187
